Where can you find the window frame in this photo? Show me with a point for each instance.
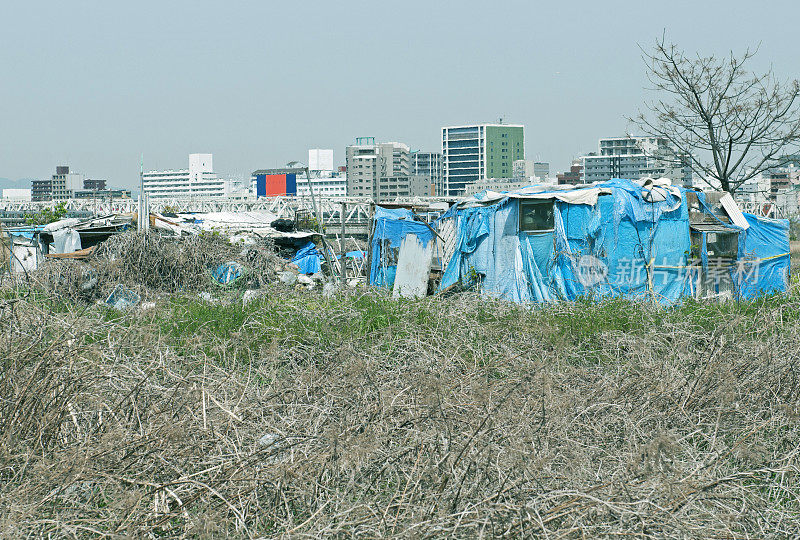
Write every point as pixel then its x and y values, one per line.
pixel 532 203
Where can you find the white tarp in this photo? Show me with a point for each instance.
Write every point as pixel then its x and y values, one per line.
pixel 61 224
pixel 66 240
pixel 732 209
pixel 652 191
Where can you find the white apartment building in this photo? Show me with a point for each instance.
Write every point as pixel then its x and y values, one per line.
pixel 633 158
pixel 325 185
pixel 198 181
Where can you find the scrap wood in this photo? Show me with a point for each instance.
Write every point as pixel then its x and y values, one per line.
pixel 78 255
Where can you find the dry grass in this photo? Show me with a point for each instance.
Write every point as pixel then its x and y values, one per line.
pixel 355 415
pixel 153 265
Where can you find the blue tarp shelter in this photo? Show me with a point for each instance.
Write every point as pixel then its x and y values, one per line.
pixel 619 238
pixel 390 226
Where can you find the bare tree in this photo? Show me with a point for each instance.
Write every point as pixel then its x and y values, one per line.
pixel 727 123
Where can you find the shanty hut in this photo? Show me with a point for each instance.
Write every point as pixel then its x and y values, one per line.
pixel 642 239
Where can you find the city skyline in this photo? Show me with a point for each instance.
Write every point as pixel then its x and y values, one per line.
pixel 96 86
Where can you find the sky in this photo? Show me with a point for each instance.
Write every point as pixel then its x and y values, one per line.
pixel 96 85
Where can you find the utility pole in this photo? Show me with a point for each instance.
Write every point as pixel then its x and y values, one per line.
pixel 342 248
pixel 313 199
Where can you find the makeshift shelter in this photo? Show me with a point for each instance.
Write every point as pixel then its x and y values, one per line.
pixel 391 226
pixel 645 239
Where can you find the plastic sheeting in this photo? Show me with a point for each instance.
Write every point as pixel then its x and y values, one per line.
pixel 66 240
pixel 634 242
pixel 308 259
pixel 389 229
pixel 764 259
pixel 122 298
pixel 227 273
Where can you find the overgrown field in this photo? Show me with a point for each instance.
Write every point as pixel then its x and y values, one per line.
pixel 355 415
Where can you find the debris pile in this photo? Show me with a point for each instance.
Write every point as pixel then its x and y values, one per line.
pixel 147 265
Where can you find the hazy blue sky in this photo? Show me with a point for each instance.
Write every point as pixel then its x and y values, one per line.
pixel 257 83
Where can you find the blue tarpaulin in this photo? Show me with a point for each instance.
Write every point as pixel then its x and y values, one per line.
pixel 390 227
pixel 227 273
pixel 308 259
pixel 615 238
pixel 764 259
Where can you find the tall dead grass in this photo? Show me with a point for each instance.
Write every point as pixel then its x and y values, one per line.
pixel 360 416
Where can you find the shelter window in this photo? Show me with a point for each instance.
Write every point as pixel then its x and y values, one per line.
pixel 536 216
pixel 720 244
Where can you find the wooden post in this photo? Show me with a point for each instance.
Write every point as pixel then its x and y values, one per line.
pixel 371 226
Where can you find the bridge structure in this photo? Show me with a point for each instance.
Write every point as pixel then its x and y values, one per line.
pixel 356 212
pixel 331 211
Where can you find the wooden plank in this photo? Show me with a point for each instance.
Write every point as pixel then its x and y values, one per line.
pixel 413 268
pixel 80 254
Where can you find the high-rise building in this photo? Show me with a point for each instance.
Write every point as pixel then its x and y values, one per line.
pixel 481 151
pixel 633 158
pixel 382 171
pixel 198 181
pixel 428 164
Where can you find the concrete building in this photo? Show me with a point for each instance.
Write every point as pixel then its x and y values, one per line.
pixel 428 164
pixel 541 170
pixel 573 176
pixel 59 187
pixel 325 184
pixel 633 158
pixel 474 152
pixel 755 191
pixel 496 184
pixel 320 160
pixel 102 194
pixel 382 171
pixel 17 195
pixel 198 181
pixel 94 185
pixel 523 170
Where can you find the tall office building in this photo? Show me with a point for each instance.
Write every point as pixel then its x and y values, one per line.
pixel 382 171
pixel 633 158
pixel 481 151
pixel 429 164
